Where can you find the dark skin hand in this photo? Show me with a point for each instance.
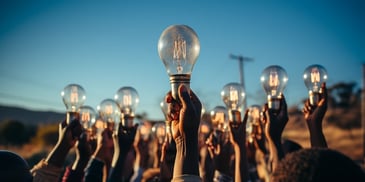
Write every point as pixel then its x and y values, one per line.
pixel 275 124
pixel 238 140
pixel 185 119
pixel 83 152
pixel 220 150
pixel 314 117
pixel 68 136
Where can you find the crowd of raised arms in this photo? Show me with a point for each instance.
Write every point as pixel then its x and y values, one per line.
pixel 187 153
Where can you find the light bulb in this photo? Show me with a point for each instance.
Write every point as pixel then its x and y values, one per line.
pixel 314 76
pixel 274 79
pixel 178 48
pixel 159 131
pixel 127 99
pixel 253 120
pixel 233 96
pixel 73 96
pixel 87 117
pixel 109 112
pixel 219 117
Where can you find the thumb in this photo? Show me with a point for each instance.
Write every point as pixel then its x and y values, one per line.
pixel 184 95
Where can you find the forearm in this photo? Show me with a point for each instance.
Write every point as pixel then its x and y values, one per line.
pixel 241 165
pixel 58 155
pixel 187 159
pixel 117 166
pixel 276 152
pixel 317 137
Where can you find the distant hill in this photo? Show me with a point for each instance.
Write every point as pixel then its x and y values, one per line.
pixel 29 116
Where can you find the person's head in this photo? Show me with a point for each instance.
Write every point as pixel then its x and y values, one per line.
pixel 317 164
pixel 13 168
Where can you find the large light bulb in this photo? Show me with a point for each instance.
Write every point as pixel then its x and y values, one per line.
pixel 127 99
pixel 219 117
pixel 73 96
pixel 314 76
pixel 87 117
pixel 109 112
pixel 178 48
pixel 274 79
pixel 233 96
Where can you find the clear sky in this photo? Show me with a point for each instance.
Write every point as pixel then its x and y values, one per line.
pixel 45 45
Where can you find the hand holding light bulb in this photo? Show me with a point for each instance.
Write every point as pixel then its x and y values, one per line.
pixel 314 76
pixel 127 99
pixel 179 48
pixel 233 96
pixel 274 79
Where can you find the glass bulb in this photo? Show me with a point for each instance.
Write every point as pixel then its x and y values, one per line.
pixel 87 117
pixel 178 48
pixel 127 99
pixel 109 112
pixel 159 131
pixel 314 76
pixel 144 132
pixel 73 96
pixel 233 96
pixel 274 79
pixel 219 116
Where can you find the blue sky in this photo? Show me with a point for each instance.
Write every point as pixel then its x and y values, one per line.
pixel 45 45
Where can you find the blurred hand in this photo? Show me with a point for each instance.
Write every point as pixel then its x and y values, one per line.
pixel 276 120
pixel 220 150
pixel 314 114
pixel 185 117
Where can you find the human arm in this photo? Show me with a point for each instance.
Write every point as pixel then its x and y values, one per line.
pixel 314 117
pixel 238 140
pixel 51 167
pixel 185 124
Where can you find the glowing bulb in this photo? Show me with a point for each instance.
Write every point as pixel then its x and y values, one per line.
pixel 73 96
pixel 159 131
pixel 252 121
pixel 274 79
pixel 219 117
pixel 109 112
pixel 233 96
pixel 127 99
pixel 87 117
pixel 178 48
pixel 314 76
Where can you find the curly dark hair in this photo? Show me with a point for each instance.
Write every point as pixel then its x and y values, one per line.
pixel 317 164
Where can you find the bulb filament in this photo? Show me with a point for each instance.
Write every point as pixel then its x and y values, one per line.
pixel 179 52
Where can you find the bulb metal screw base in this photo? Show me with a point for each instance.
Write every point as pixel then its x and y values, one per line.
pixel 274 103
pixel 127 121
pixel 176 81
pixel 313 98
pixel 235 116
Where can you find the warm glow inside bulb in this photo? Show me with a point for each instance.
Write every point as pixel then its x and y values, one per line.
pixel 127 99
pixel 274 79
pixel 73 96
pixel 87 117
pixel 233 95
pixel 314 76
pixel 219 117
pixel 109 111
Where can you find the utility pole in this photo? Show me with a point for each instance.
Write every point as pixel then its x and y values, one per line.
pixel 241 59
